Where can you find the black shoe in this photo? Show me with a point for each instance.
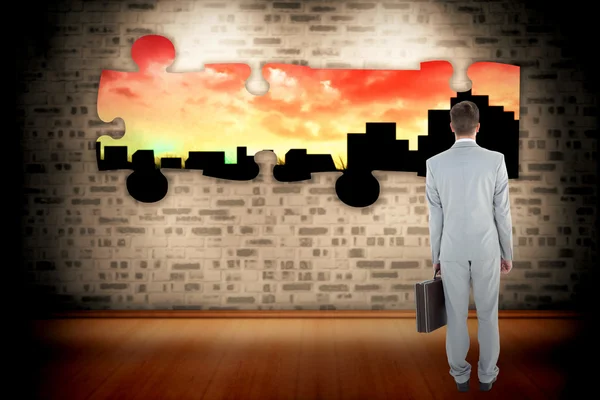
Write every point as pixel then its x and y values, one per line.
pixel 486 387
pixel 463 387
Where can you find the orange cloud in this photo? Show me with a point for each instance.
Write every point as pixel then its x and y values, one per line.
pixel 304 107
pixel 124 91
pixel 196 101
pixel 501 82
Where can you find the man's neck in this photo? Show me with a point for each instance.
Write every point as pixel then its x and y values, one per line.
pixel 465 137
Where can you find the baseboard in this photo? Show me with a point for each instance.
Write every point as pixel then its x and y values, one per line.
pixel 364 314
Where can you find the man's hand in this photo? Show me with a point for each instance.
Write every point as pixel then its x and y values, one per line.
pixel 436 267
pixel 505 266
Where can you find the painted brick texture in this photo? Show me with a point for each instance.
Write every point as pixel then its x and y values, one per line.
pixel 213 244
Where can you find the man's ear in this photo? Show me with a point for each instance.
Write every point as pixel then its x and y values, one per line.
pixel 478 127
pixel 451 128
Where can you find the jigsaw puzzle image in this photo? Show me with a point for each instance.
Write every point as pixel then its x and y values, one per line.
pixel 315 120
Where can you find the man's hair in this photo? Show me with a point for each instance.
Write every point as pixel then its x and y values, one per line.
pixel 464 117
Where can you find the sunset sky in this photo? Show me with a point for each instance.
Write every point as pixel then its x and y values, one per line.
pixel 211 110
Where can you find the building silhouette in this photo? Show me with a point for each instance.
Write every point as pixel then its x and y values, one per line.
pixel 499 132
pixel 377 149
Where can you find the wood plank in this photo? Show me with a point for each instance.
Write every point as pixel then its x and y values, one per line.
pixel 78 356
pixel 433 369
pixel 539 346
pixel 392 360
pixel 303 359
pixel 99 368
pixel 190 375
pixel 262 314
pixel 146 360
pixel 316 374
pixel 235 362
pixel 280 354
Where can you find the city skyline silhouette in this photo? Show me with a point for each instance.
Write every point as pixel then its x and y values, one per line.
pixel 376 149
pixel 211 109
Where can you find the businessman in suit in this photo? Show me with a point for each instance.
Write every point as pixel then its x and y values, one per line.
pixel 470 230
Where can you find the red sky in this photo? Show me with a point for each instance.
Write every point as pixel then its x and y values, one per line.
pixel 173 113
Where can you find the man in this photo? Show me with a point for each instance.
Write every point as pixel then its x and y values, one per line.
pixel 470 230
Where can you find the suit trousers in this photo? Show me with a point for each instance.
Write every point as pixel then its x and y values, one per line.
pixel 456 279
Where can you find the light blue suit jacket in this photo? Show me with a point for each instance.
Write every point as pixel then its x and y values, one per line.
pixel 469 206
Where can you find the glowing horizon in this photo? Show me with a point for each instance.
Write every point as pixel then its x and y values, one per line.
pixel 313 109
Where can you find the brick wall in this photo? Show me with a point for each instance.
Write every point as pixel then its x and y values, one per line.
pixel 263 244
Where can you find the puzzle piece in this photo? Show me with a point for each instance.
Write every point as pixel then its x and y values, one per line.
pixel 209 121
pixel 171 113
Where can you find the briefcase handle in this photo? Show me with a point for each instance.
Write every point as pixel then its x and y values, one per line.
pixel 435 273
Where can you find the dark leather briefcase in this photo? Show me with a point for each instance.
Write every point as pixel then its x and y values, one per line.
pixel 431 306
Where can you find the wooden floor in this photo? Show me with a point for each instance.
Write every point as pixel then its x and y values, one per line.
pixel 305 359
